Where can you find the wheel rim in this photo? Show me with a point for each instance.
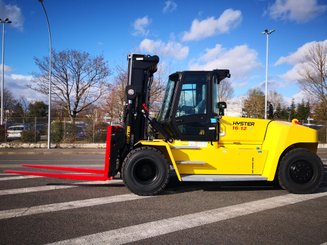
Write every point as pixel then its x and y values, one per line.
pixel 301 172
pixel 145 171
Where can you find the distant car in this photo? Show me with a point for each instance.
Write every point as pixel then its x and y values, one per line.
pixel 15 132
pixel 80 133
pixel 314 126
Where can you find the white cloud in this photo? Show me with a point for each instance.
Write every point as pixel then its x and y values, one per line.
pixel 293 74
pixel 298 97
pixel 299 55
pixel 17 85
pixel 211 54
pixel 7 68
pixel 170 6
pixel 296 10
pixel 202 29
pixel 298 61
pixel 172 49
pixel 13 12
pixel 19 77
pixel 140 26
pixel 240 60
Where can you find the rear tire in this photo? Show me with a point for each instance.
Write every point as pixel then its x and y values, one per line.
pixel 300 171
pixel 145 171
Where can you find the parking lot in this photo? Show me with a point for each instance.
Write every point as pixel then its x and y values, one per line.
pixel 36 210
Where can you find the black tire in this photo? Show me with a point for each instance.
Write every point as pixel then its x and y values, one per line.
pixel 301 171
pixel 145 171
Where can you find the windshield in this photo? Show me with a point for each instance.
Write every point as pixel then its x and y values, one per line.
pixel 215 95
pixel 193 96
pixel 166 106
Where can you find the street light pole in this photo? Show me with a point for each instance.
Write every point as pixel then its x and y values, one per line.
pixel 267 33
pixel 50 68
pixel 3 22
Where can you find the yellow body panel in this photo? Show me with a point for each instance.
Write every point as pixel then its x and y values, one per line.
pixel 246 146
pixel 282 135
pixel 244 131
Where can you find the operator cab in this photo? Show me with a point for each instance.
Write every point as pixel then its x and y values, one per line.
pixel 190 109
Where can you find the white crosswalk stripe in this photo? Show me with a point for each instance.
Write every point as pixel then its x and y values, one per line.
pixel 160 227
pixel 67 205
pixel 54 187
pixel 20 177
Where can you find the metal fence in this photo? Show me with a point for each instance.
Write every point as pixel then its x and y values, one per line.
pixel 63 130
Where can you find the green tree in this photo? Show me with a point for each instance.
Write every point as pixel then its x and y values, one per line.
pixel 270 112
pixel 18 113
pixel 302 110
pixel 278 111
pixel 284 114
pixel 37 109
pixel 292 111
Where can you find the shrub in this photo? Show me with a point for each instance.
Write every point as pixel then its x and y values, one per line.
pixel 57 132
pixel 101 133
pixel 30 136
pixel 2 133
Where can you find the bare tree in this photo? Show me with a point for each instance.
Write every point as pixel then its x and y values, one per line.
pixel 275 99
pixel 8 99
pixel 226 90
pixel 254 104
pixel 78 80
pixel 116 95
pixel 158 88
pixel 313 76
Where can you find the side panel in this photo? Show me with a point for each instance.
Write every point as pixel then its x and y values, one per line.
pixel 280 136
pixel 213 159
pixel 242 131
pixel 190 157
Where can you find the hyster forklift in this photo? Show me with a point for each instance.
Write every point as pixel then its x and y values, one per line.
pixel 193 138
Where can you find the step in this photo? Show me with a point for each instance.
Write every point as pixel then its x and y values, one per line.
pixel 222 177
pixel 191 162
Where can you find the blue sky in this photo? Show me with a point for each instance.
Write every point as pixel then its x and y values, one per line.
pixel 186 35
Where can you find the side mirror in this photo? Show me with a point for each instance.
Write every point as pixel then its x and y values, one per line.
pixel 221 108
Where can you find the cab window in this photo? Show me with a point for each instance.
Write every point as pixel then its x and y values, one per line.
pixel 192 100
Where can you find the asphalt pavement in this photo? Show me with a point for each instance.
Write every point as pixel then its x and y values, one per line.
pixel 36 210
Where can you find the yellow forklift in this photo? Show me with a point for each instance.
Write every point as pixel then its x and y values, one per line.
pixel 192 137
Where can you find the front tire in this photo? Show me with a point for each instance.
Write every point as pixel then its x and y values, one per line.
pixel 145 171
pixel 300 171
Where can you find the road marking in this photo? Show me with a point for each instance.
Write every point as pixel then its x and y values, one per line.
pixel 55 187
pixel 20 177
pixel 15 177
pixel 54 207
pixel 165 226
